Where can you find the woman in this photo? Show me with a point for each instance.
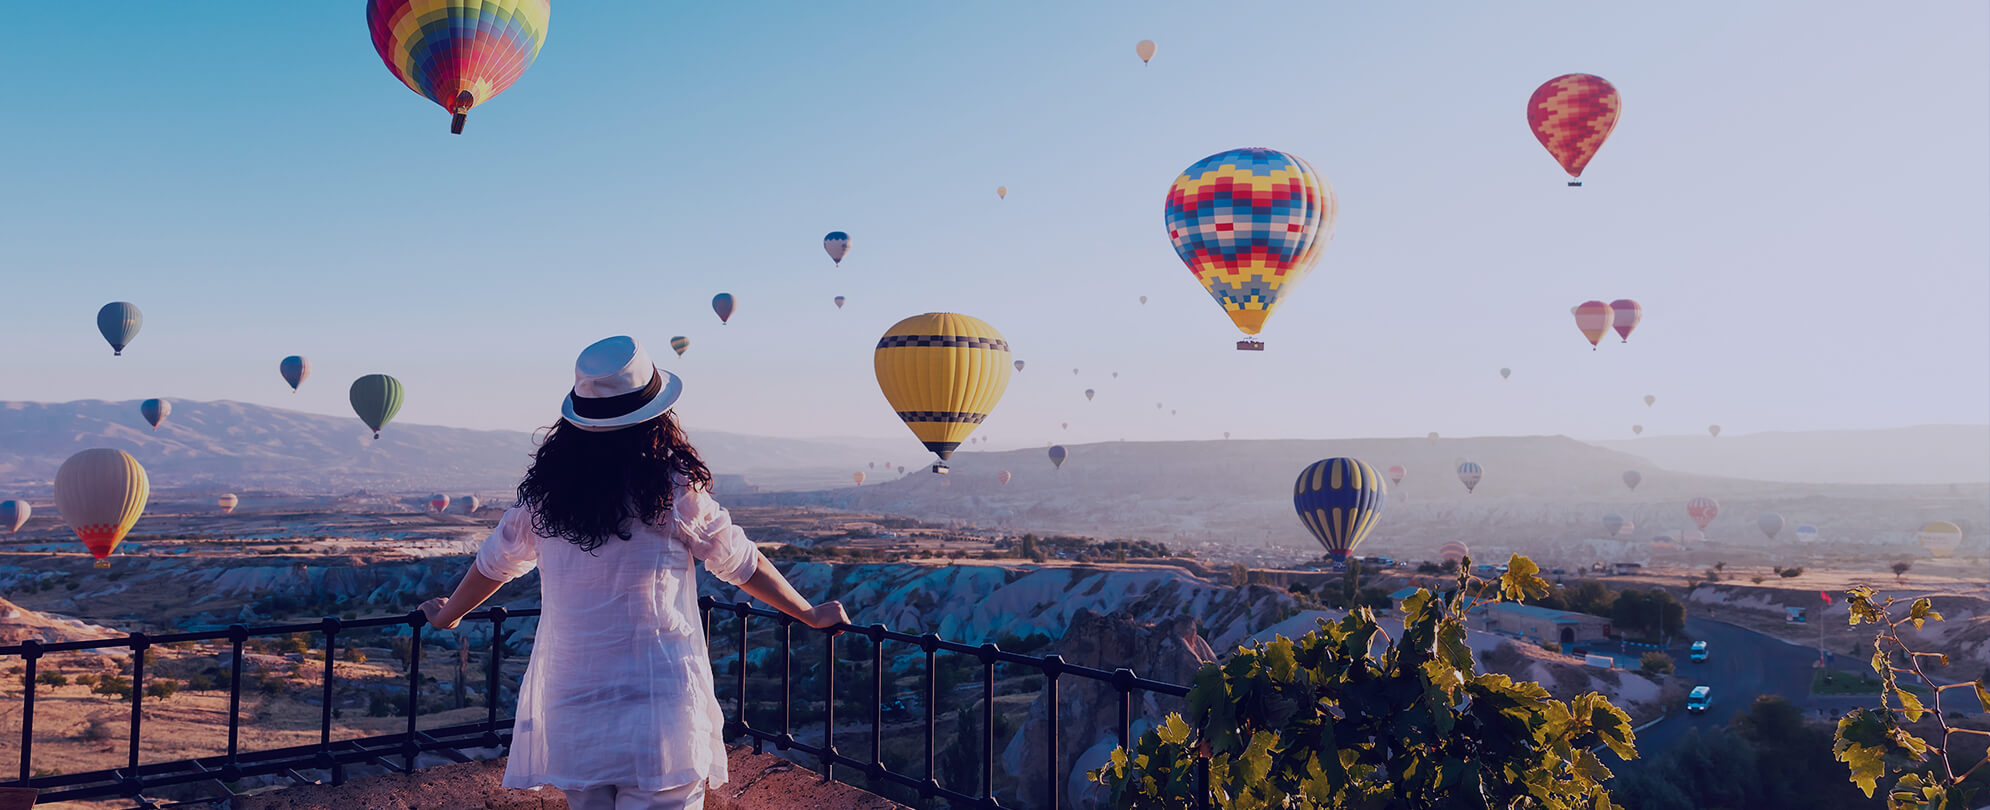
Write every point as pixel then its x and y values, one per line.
pixel 616 708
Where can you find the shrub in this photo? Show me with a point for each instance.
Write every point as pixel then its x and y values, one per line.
pixel 1655 663
pixel 113 685
pixel 1551 646
pixel 354 655
pixel 86 679
pixel 162 688
pixel 52 679
pixel 99 729
pixel 200 683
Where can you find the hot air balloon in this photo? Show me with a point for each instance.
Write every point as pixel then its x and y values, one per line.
pixel 1806 534
pixel 837 245
pixel 1624 316
pixel 1019 365
pixel 155 411
pixel 1145 50
pixel 872 464
pixel 722 304
pixel 1432 437
pixel 1001 192
pixel 1613 524
pixel 1172 412
pixel 1339 500
pixel 376 398
pixel 294 369
pixel 839 304
pixel 942 373
pixel 1143 300
pixel 1396 474
pixel 1115 375
pixel 1940 537
pixel 1649 399
pixel 100 493
pixel 1469 474
pixel 1226 434
pixel 13 514
pixel 119 322
pixel 1066 425
pixel 1702 510
pixel 1770 523
pixel 1632 479
pixel 438 503
pixel 1453 551
pixel 1250 224
pixel 1714 431
pixel 1572 115
pixel 901 470
pixel 858 477
pixel 458 54
pixel 1074 372
pixel 1088 394
pixel 227 503
pixel 1157 406
pixel 1057 456
pixel 1003 477
pixel 1637 430
pixel 1593 318
pixel 471 504
pixel 1505 373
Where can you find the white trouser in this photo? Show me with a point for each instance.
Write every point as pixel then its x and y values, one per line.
pixel 682 797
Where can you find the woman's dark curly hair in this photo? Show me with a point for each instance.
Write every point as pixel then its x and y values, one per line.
pixel 584 485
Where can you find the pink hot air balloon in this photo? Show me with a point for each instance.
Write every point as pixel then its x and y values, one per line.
pixel 1396 474
pixel 1593 318
pixel 1004 477
pixel 1625 315
pixel 1703 511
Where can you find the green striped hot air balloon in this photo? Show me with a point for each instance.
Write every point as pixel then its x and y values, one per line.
pixel 680 343
pixel 376 398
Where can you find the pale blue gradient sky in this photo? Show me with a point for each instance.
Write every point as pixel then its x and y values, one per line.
pixel 1798 193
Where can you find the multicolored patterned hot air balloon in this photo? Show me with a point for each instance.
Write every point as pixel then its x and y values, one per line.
pixel 1057 455
pixel 942 373
pixel 1469 474
pixel 1250 224
pixel 119 322
pixel 1396 474
pixel 438 503
pixel 1593 318
pixel 228 503
pixel 294 369
pixel 14 514
pixel 837 245
pixel 1454 551
pixel 1702 510
pixel 376 398
pixel 100 493
pixel 722 305
pixel 1339 500
pixel 155 411
pixel 1940 537
pixel 1624 317
pixel 1572 115
pixel 458 53
pixel 678 343
pixel 1145 50
pixel 1632 478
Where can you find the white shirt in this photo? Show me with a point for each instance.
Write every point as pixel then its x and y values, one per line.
pixel 619 690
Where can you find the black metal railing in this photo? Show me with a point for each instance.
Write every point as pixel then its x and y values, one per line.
pixel 135 779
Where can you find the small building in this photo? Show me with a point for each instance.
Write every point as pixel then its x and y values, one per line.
pixel 1542 624
pixel 1629 569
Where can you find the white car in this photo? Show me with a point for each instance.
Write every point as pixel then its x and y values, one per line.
pixel 1699 652
pixel 1697 700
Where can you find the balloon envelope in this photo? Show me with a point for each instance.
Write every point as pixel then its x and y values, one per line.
pixel 1505 373
pixel 1057 455
pixel 227 503
pixel 1571 115
pixel 722 304
pixel 1714 431
pixel 1144 49
pixel 376 398
pixel 839 302
pixel 1002 192
pixel 1250 224
pixel 1469 474
pixel 1396 474
pixel 471 504
pixel 837 245
pixel 1770 523
pixel 1003 477
pixel 1453 551
pixel 1806 533
pixel 1593 318
pixel 100 493
pixel 155 411
pixel 942 373
pixel 1940 537
pixel 1613 524
pixel 1649 399
pixel 294 369
pixel 458 53
pixel 679 343
pixel 1624 317
pixel 1088 394
pixel 1019 365
pixel 1637 430
pixel 858 477
pixel 1702 510
pixel 119 322
pixel 1632 478
pixel 1339 500
pixel 13 514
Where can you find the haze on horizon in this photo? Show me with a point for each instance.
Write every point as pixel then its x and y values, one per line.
pixel 1797 193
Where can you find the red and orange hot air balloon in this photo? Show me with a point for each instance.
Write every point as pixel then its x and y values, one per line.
pixel 1572 115
pixel 1625 315
pixel 1593 318
pixel 458 53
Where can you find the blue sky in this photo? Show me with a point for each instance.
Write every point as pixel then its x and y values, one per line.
pixel 1797 192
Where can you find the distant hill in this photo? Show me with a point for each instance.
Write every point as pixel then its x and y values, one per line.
pixel 1924 454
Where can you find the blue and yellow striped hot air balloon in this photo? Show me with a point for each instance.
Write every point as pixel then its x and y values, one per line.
pixel 1250 224
pixel 1339 500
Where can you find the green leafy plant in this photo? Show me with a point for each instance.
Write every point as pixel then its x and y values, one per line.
pixel 1874 744
pixel 1326 722
pixel 1655 663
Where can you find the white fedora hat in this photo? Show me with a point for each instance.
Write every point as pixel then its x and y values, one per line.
pixel 616 385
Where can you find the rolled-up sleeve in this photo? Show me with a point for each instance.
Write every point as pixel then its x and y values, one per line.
pixel 707 529
pixel 512 549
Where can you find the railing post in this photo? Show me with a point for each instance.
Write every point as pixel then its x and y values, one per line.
pixel 409 748
pixel 743 724
pixel 1052 665
pixel 31 653
pixel 492 677
pixel 325 758
pixel 1122 680
pixel 787 685
pixel 930 643
pixel 877 702
pixel 238 635
pixel 829 706
pixel 988 652
pixel 138 647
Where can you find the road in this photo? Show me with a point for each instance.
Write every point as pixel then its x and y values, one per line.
pixel 1741 664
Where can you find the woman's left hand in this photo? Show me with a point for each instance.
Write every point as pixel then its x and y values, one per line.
pixel 432 609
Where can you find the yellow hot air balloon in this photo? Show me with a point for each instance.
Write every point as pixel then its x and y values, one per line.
pixel 100 493
pixel 942 373
pixel 1940 537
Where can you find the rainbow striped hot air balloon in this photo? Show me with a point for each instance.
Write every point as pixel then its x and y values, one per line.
pixel 1572 115
pixel 1625 315
pixel 1454 551
pixel 1593 318
pixel 679 343
pixel 1250 224
pixel 228 503
pixel 1339 500
pixel 458 53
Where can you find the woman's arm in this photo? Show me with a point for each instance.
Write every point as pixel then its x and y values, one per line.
pixel 767 585
pixel 443 614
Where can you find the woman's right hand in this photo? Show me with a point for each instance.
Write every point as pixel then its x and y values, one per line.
pixel 826 615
